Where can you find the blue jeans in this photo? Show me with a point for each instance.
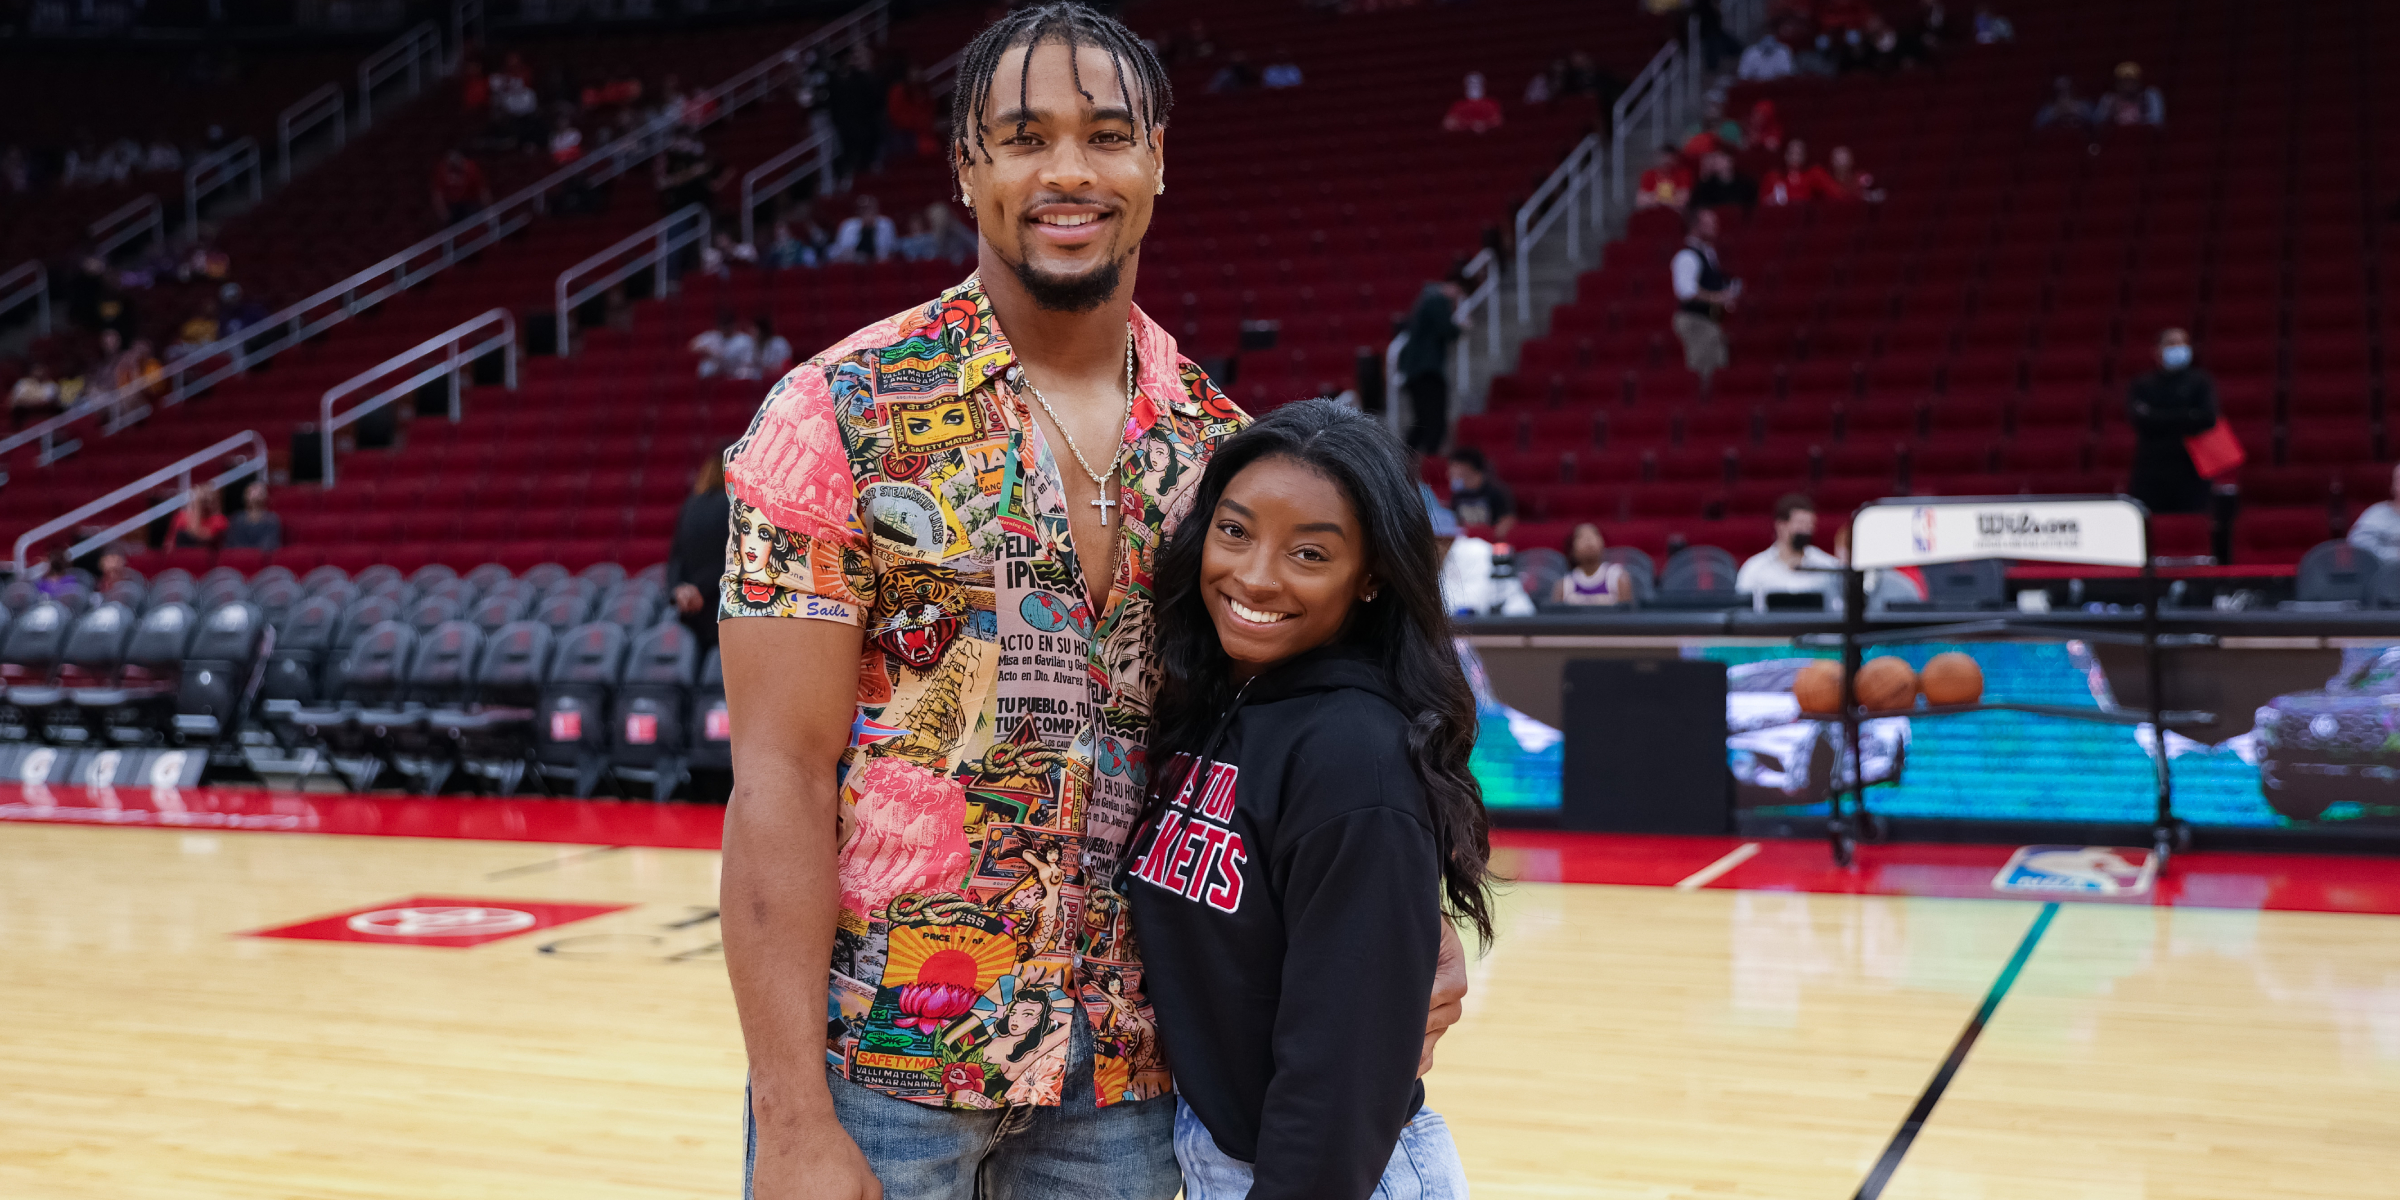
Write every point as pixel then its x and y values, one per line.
pixel 1424 1165
pixel 1078 1149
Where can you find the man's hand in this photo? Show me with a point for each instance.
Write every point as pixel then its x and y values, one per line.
pixel 1449 994
pixel 687 599
pixel 814 1160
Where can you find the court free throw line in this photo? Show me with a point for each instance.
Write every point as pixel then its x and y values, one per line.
pixel 1708 874
pixel 1872 1189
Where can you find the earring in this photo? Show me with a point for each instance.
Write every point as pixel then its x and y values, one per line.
pixel 967 198
pixel 1162 185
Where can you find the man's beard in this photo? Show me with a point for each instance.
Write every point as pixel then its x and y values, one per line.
pixel 1071 293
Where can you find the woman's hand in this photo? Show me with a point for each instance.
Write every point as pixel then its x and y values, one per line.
pixel 686 598
pixel 1449 994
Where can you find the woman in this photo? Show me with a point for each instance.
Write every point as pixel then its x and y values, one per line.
pixel 1310 811
pixel 696 558
pixel 201 524
pixel 1590 577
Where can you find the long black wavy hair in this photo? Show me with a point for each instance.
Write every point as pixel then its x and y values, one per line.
pixel 1406 626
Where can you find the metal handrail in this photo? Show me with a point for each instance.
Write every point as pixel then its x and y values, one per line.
pixel 770 178
pixel 468 23
pixel 130 221
pixel 870 20
pixel 1484 299
pixel 405 54
pixel 686 226
pixel 1534 220
pixel 755 181
pixel 28 280
pixel 307 113
pixel 218 169
pixel 179 470
pixel 1643 97
pixel 456 355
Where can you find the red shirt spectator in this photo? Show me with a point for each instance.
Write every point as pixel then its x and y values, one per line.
pixel 459 189
pixel 1667 184
pixel 908 108
pixel 200 525
pixel 1764 127
pixel 1473 112
pixel 1797 181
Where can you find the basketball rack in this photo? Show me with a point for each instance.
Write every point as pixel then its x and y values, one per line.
pixel 1915 531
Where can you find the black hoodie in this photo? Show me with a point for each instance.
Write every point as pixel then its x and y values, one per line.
pixel 1288 905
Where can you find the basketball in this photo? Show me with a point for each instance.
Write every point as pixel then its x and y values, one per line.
pixel 1819 687
pixel 1953 678
pixel 1886 683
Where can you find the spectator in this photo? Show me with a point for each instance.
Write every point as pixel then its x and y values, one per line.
pixel 857 102
pixel 459 189
pixel 1797 182
pixel 1703 295
pixel 1763 128
pixel 1714 131
pixel 2065 109
pixel 727 352
pixel 1283 72
pixel 1424 363
pixel 2131 103
pixel 1991 28
pixel 255 527
pixel 201 525
pixel 1473 112
pixel 35 395
pixel 866 236
pixel 197 330
pixel 1793 563
pixel 516 112
pixel 908 111
pixel 1591 579
pixel 1237 75
pixel 1720 186
pixel 696 558
pixel 1931 29
pixel 55 574
pixel 916 240
pixel 786 247
pixel 774 350
pixel 1666 184
pixel 1849 182
pixel 2167 406
pixel 722 254
pixel 2377 530
pixel 566 141
pixel 238 311
pixel 1477 498
pixel 1766 60
pixel 953 239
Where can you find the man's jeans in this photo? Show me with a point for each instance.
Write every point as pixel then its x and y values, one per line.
pixel 1123 1152
pixel 1424 1165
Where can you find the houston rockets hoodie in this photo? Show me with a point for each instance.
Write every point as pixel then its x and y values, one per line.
pixel 1288 906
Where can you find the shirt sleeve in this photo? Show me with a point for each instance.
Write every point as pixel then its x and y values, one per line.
pixel 1685 269
pixel 796 547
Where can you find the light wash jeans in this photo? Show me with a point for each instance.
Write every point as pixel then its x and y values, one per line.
pixel 1424 1165
pixel 1078 1149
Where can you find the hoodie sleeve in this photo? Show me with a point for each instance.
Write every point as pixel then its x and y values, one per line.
pixel 1362 914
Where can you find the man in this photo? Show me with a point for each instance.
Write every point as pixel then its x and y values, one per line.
pixel 2130 104
pixel 2377 530
pixel 937 646
pixel 2166 407
pixel 1473 112
pixel 1794 563
pixel 1478 499
pixel 1424 364
pixel 865 236
pixel 1666 183
pixel 1766 61
pixel 1703 295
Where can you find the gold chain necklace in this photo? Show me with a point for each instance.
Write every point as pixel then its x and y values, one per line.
pixel 1099 479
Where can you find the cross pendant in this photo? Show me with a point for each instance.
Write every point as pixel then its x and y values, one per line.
pixel 1103 503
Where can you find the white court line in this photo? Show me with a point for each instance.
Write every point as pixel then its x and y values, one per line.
pixel 1708 874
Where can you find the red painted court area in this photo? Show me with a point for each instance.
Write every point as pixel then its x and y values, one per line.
pixel 2196 879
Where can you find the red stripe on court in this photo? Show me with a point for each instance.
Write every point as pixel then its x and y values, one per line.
pixel 2195 879
pixel 583 822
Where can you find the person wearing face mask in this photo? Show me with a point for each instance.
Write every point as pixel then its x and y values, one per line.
pixel 2167 406
pixel 1794 563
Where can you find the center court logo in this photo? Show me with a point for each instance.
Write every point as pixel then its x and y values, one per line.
pixel 447 921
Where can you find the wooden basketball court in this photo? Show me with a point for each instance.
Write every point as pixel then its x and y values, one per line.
pixel 1766 1032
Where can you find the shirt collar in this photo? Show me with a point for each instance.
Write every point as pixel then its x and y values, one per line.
pixel 968 324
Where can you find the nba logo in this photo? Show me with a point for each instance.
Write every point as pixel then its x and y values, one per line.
pixel 1920 530
pixel 2077 871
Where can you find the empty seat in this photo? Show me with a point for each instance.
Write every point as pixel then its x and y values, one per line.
pixel 29 655
pixel 650 735
pixel 140 706
pixel 491 733
pixel 372 672
pixel 2336 572
pixel 303 644
pixel 92 656
pixel 712 723
pixel 220 674
pixel 571 720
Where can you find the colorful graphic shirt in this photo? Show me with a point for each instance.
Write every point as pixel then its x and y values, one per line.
pixel 899 482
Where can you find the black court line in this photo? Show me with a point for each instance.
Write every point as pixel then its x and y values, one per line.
pixel 1892 1154
pixel 552 864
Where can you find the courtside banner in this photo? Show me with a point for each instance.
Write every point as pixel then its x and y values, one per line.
pixel 2097 532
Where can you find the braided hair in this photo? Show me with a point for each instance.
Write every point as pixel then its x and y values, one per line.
pixel 1075 26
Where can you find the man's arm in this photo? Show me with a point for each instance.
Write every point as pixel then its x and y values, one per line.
pixel 789 693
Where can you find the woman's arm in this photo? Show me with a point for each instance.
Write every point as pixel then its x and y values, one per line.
pixel 1362 916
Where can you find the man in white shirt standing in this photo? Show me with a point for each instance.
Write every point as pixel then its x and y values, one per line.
pixel 866 237
pixel 1793 563
pixel 1767 59
pixel 2377 530
pixel 1703 295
